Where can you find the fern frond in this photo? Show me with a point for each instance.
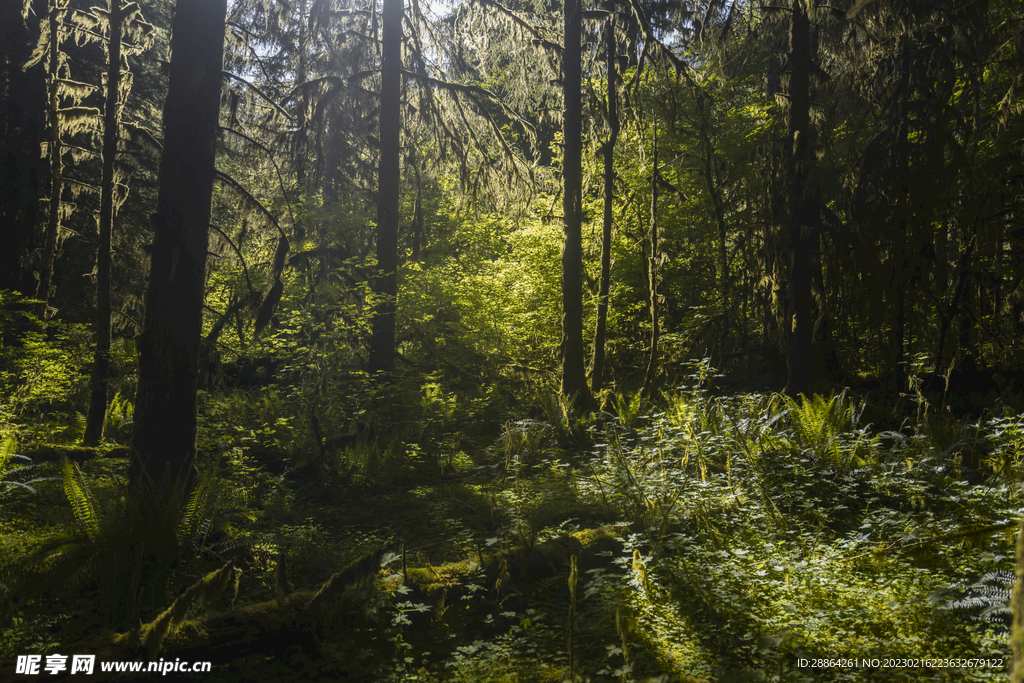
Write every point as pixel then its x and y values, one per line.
pixel 7 446
pixel 987 600
pixel 195 519
pixel 818 425
pixel 81 499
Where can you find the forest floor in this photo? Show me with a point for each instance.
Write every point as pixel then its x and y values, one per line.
pixel 755 539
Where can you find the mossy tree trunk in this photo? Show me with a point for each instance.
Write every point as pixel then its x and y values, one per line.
pixel 111 128
pixel 600 333
pixel 652 275
pixel 58 9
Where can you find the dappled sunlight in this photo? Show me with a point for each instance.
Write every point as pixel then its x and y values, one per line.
pixel 395 341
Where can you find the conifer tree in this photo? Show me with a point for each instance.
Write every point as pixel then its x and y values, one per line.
pixel 796 214
pixel 385 283
pixel 61 121
pixel 164 439
pixel 574 381
pixel 119 18
pixel 608 150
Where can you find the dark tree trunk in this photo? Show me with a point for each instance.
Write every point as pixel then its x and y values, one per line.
pixel 385 282
pixel 574 379
pixel 301 123
pixel 22 127
pixel 164 439
pixel 718 207
pixel 417 220
pixel 965 348
pixel 652 275
pixel 804 364
pixel 49 253
pixel 959 292
pixel 600 333
pixel 111 127
pixel 896 292
pixel 824 341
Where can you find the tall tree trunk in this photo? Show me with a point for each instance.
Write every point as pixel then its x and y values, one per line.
pixel 823 339
pixel 574 379
pixel 718 207
pixel 804 364
pixel 164 439
pixel 385 282
pixel 896 292
pixel 300 127
pixel 600 333
pixel 417 219
pixel 652 274
pixel 23 103
pixel 57 10
pixel 111 128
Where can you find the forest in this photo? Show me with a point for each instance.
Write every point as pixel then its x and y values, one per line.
pixel 664 341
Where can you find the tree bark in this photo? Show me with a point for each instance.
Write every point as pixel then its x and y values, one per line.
pixel 111 128
pixel 896 292
pixel 652 275
pixel 718 207
pixel 49 252
pixel 385 282
pixel 164 439
pixel 574 379
pixel 600 333
pixel 23 103
pixel 804 365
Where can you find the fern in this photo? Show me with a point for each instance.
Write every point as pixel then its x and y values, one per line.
pixel 630 406
pixel 194 521
pixel 120 416
pixel 818 424
pixel 986 601
pixel 81 499
pixel 98 548
pixel 12 477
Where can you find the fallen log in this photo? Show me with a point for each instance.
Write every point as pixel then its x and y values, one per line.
pixel 528 562
pixel 306 618
pixel 79 454
pixel 222 637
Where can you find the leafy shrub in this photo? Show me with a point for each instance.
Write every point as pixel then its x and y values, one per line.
pixel 1006 439
pixel 42 373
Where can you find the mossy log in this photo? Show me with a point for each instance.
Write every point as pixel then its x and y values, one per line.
pixel 221 637
pixel 79 454
pixel 524 563
pixel 303 618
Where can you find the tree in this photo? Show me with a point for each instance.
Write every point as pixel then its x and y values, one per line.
pixel 652 273
pixel 58 120
pixel 385 283
pixel 117 20
pixel 22 128
pixel 608 150
pixel 574 380
pixel 798 229
pixel 164 439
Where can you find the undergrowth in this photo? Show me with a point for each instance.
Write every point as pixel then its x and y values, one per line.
pixel 754 531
